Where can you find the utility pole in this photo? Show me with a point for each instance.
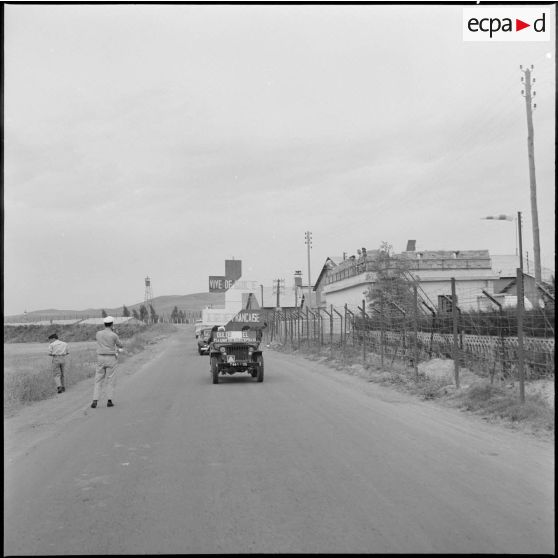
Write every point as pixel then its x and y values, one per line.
pixel 532 180
pixel 308 242
pixel 280 286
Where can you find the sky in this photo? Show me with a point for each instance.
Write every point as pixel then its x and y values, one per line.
pixel 161 140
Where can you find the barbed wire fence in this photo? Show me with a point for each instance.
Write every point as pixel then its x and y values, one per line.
pixel 475 331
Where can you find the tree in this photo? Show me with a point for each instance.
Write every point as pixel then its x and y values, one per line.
pixel 143 315
pixel 182 316
pixel 154 317
pixel 174 315
pixel 103 314
pixel 392 291
pixel 135 314
pixel 125 311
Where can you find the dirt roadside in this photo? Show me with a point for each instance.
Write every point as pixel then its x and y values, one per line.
pixel 380 382
pixel 33 423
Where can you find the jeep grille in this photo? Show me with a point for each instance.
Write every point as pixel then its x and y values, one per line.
pixel 239 352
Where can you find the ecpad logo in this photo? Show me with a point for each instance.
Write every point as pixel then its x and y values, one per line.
pixel 506 24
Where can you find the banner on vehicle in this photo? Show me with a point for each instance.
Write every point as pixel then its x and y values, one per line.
pixel 235 337
pixel 247 319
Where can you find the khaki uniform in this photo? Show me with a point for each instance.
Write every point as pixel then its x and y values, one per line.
pixel 58 351
pixel 107 355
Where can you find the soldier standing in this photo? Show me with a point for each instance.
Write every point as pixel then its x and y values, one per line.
pixel 108 345
pixel 58 351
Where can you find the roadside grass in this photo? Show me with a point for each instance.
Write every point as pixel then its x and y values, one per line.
pixel 494 403
pixel 28 378
pixel 68 333
pixel 498 403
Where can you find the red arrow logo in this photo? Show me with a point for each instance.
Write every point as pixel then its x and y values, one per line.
pixel 519 25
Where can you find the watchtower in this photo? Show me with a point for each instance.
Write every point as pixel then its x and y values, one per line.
pixel 148 298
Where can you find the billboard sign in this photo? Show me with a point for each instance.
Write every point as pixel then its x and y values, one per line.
pixel 219 283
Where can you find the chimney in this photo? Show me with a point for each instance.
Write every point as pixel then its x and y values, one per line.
pixel 298 278
pixel 411 245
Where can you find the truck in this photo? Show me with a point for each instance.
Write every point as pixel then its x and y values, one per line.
pixel 232 352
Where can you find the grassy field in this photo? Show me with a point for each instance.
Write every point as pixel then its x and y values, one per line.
pixel 27 366
pixel 68 333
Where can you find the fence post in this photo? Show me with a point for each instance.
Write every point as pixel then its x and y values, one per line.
pixel 347 311
pixel 432 329
pixel 331 328
pixel 298 329
pixel 291 329
pixel 520 349
pixel 502 342
pixel 307 328
pixel 293 321
pixel 301 325
pixel 455 335
pixel 363 332
pixel 344 331
pixel 320 327
pixel 382 325
pixel 340 329
pixel 415 328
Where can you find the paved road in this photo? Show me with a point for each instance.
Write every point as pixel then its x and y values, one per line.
pixel 308 461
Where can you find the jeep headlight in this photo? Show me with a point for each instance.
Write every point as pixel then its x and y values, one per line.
pixel 250 350
pixel 223 350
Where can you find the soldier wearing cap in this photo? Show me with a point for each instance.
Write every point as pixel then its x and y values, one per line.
pixel 108 347
pixel 58 351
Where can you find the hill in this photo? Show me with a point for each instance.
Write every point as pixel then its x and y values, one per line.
pixel 163 306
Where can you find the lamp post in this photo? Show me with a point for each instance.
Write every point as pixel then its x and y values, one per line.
pixel 503 217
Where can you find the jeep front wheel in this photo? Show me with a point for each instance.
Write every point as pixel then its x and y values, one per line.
pixel 214 370
pixel 260 374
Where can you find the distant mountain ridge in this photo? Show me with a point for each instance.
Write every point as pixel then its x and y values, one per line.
pixel 163 305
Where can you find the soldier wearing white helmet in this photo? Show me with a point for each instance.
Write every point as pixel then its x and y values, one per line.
pixel 108 345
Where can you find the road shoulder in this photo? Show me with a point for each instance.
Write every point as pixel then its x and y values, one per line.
pixel 32 424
